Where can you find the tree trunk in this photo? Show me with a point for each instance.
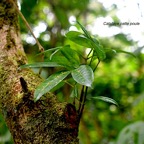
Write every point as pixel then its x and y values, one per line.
pixel 46 121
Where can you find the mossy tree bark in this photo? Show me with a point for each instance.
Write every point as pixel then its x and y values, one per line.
pixel 45 122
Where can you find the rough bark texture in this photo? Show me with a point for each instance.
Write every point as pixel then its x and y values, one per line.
pixel 45 122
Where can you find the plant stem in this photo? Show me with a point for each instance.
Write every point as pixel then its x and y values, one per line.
pixel 41 49
pixel 81 99
pixel 91 59
pixel 89 53
pixel 97 65
pixel 83 102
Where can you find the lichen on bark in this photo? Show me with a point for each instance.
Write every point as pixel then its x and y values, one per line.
pixel 45 122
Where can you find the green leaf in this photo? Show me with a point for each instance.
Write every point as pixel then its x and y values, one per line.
pixel 88 35
pixel 83 75
pixel 49 83
pixel 41 64
pixel 71 55
pixel 79 38
pixel 49 50
pixel 53 53
pixel 99 51
pixel 85 31
pixel 122 51
pixel 74 92
pixel 95 41
pixel 109 50
pixel 61 60
pixel 106 99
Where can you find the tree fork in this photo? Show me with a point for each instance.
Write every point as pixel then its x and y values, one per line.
pixel 45 122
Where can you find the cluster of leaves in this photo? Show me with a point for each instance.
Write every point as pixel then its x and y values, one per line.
pixel 80 66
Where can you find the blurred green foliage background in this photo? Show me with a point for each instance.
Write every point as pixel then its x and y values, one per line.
pixel 120 76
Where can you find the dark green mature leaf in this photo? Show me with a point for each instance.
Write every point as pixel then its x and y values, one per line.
pixel 106 99
pixel 95 41
pixel 85 31
pixel 122 51
pixel 99 51
pixel 63 61
pixel 79 38
pixel 83 75
pixel 49 83
pixel 71 55
pixel 88 35
pixel 41 64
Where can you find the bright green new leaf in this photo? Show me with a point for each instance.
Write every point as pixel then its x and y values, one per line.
pixel 41 64
pixel 54 53
pixel 49 50
pixel 106 99
pixel 49 83
pixel 83 75
pixel 79 38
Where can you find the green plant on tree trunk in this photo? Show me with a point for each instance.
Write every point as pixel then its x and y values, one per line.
pixel 80 67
